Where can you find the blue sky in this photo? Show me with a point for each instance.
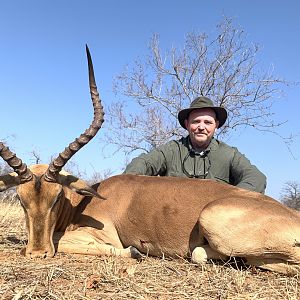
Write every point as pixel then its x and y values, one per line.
pixel 44 96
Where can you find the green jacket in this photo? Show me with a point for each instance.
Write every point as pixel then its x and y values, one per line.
pixel 219 162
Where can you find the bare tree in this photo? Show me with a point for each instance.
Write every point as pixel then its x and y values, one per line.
pixel 96 176
pixel 36 157
pixel 223 67
pixel 291 195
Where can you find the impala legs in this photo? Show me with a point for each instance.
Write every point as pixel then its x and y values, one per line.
pixel 83 242
pixel 268 238
pixel 273 264
pixel 203 253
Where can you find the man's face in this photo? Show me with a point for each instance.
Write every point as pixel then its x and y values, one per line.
pixel 201 125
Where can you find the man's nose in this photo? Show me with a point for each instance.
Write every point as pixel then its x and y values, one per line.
pixel 201 126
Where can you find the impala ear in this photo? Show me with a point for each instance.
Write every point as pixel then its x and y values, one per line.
pixel 9 180
pixel 77 185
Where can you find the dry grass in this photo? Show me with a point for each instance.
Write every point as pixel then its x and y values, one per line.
pixel 94 277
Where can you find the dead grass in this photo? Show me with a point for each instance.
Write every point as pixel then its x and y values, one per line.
pixel 94 277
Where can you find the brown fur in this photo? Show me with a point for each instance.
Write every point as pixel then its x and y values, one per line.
pixel 160 216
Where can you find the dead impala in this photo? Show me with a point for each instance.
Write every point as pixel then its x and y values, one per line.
pixel 127 215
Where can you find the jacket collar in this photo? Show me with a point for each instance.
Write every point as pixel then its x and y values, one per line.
pixel 213 145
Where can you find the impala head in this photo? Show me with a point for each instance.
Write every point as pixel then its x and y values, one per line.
pixel 41 188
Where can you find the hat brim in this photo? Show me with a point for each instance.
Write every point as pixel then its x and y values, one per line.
pixel 221 115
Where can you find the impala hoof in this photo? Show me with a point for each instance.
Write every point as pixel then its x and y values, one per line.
pixel 135 253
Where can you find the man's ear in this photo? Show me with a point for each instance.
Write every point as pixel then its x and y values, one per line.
pixel 186 123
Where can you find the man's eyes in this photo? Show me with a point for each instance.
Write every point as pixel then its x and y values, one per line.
pixel 205 122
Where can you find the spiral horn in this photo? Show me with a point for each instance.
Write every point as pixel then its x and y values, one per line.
pixel 16 163
pixel 58 163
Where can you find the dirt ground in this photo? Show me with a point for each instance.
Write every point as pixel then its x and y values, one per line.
pixel 94 277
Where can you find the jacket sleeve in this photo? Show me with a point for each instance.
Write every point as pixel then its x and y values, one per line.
pixel 245 175
pixel 151 164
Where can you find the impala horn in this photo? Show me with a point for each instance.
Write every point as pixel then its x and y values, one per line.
pixel 58 163
pixel 16 163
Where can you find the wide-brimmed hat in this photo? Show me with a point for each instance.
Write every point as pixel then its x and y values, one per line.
pixel 203 102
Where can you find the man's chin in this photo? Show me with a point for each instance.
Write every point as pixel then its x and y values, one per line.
pixel 201 138
pixel 201 142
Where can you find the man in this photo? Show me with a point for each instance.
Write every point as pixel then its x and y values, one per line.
pixel 200 155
